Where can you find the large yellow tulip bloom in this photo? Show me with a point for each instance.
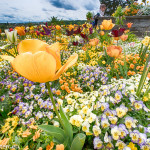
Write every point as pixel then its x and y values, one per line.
pixel 39 63
pixel 35 45
pixel 107 25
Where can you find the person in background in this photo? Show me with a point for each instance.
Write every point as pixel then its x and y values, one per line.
pixel 99 14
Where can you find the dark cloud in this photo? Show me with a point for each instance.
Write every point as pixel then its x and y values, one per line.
pixel 44 9
pixel 89 6
pixel 8 16
pixel 14 8
pixel 61 4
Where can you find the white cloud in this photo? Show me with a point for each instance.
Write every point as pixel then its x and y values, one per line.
pixel 42 10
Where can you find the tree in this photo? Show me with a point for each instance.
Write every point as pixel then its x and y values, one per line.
pixel 113 4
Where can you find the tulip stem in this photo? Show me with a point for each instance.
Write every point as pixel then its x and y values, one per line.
pixel 53 102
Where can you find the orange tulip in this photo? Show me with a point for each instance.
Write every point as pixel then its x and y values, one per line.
pixel 129 24
pixel 20 31
pixel 116 38
pixel 71 27
pixel 60 147
pixel 58 27
pixel 102 33
pixel 94 41
pixel 107 25
pixel 114 51
pixel 124 37
pixel 39 62
pixel 132 66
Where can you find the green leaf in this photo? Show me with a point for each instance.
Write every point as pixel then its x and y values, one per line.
pixel 67 126
pixel 56 132
pixel 78 142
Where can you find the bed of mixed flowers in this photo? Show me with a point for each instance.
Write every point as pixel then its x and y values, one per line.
pixel 99 79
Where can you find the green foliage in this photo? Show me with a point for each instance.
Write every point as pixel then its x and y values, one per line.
pixel 57 133
pixel 89 15
pixel 143 77
pixel 78 142
pixel 113 4
pixel 65 136
pixel 67 125
pixel 119 16
pixel 131 37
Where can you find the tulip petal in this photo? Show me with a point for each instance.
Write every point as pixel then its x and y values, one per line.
pixel 31 45
pixel 6 57
pixel 54 50
pixel 71 61
pixel 38 67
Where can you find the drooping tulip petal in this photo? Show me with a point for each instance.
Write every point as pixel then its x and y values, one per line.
pixel 38 67
pixel 71 61
pixel 31 45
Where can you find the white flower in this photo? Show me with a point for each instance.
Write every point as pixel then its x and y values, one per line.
pixel 59 101
pixel 96 130
pixel 85 126
pixel 11 36
pixel 56 124
pixel 126 148
pixel 115 133
pixel 92 118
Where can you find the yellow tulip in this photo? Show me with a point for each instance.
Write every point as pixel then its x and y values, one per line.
pixel 107 25
pixel 39 62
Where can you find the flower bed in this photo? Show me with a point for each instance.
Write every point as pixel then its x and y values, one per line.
pixel 74 87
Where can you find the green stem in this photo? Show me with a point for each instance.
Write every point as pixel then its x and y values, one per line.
pixel 8 53
pixel 53 102
pixel 125 62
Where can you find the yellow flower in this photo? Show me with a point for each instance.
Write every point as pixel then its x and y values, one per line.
pixel 103 62
pixel 19 131
pixel 132 146
pixel 107 25
pixel 39 62
pixel 10 132
pixel 71 27
pixel 58 27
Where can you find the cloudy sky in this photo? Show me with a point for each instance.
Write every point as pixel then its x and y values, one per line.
pixel 43 10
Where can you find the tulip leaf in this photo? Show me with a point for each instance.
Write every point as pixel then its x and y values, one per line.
pixel 67 126
pixel 78 142
pixel 56 132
